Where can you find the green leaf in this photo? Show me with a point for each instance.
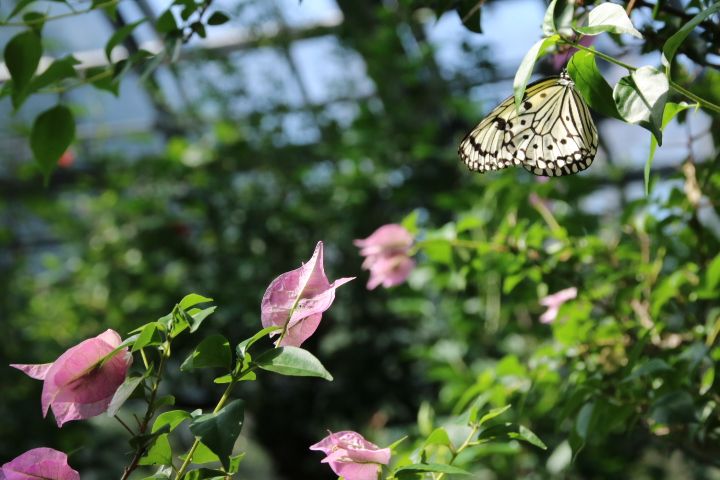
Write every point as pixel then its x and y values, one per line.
pixel 235 462
pixel 591 84
pixel 410 221
pixel 198 316
pixel 608 17
pixel 651 367
pixel 205 474
pixel 173 418
pixel 640 98
pixel 123 393
pixel 52 133
pixel 58 70
pixel 203 455
pixel 673 407
pixel 35 21
pixel 432 467
pixel 213 351
pixel 470 12
pixel 220 430
pixel 218 18
pixel 243 346
pixel 166 22
pixel 707 380
pixel 495 412
pixel 192 300
pixel 19 6
pixel 528 436
pixel 712 275
pixel 160 453
pixel 673 43
pixel 22 56
pixel 439 436
pixel 671 110
pixel 292 361
pixel 102 79
pixel 163 473
pixel 148 336
pixel 582 422
pixel 528 63
pixel 119 36
pixel 558 18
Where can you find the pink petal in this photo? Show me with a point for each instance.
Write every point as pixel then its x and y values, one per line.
pixel 300 331
pixel 558 298
pixel 36 371
pixel 388 238
pixel 550 315
pixel 43 463
pixel 77 387
pixel 327 444
pixel 356 471
pixel 388 271
pixel 299 296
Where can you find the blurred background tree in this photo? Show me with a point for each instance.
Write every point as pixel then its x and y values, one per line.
pixel 293 123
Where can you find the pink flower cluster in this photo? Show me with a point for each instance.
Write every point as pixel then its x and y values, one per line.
pixel 387 255
pixel 39 463
pixel 296 300
pixel 352 457
pixel 80 384
pixel 553 303
pixel 82 381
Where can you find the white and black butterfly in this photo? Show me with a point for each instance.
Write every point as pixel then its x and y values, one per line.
pixel 553 134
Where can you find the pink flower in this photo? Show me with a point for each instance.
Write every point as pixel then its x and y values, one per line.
pixel 77 385
pixel 41 463
pixel 296 300
pixel 386 254
pixel 554 301
pixel 351 456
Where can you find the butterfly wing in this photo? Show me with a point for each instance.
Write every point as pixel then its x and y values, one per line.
pixel 553 133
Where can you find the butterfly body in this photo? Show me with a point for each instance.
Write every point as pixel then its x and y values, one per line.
pixel 552 133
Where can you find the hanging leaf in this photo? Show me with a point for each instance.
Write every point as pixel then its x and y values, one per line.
pixel 22 56
pixel 591 84
pixel 52 133
pixel 611 18
pixel 119 36
pixel 528 63
pixel 640 98
pixel 558 18
pixel 220 430
pixel 673 43
pixel 292 361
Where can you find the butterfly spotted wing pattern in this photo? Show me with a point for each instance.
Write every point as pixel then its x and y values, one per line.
pixel 553 134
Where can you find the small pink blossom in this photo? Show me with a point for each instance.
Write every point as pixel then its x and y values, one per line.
pixel 351 456
pixel 296 300
pixel 40 463
pixel 386 254
pixel 76 385
pixel 554 301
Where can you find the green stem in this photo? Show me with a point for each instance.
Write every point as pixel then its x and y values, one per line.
pixel 678 88
pixel 72 13
pixel 607 58
pixel 699 100
pixel 188 459
pixel 462 447
pixel 148 414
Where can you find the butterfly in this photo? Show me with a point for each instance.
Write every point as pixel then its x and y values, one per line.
pixel 552 134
